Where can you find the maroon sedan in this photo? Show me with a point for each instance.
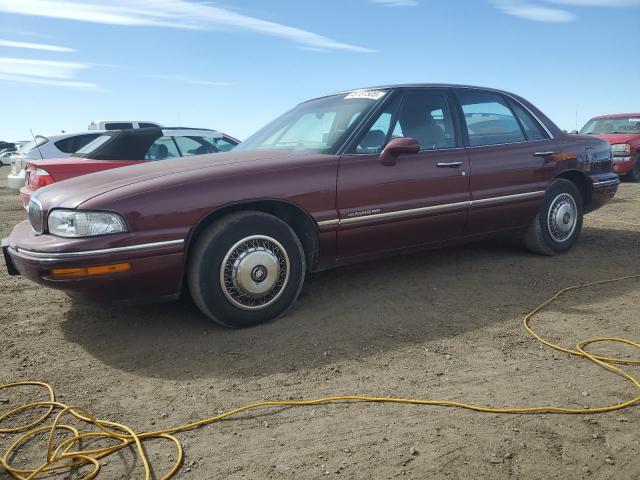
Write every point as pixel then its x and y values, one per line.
pixel 342 178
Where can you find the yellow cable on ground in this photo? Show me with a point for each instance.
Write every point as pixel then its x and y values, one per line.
pixel 69 453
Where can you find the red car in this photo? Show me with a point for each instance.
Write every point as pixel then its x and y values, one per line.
pixel 352 176
pixel 121 148
pixel 622 131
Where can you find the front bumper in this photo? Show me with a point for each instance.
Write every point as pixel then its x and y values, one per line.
pixel 15 180
pixel 156 268
pixel 623 165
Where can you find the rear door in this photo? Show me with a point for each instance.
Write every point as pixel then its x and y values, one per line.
pixel 510 154
pixel 423 197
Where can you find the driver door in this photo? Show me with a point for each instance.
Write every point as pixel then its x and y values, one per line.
pixel 423 197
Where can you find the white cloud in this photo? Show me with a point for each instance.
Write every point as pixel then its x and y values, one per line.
pixel 533 11
pixel 43 72
pixel 34 46
pixel 169 13
pixel 397 3
pixel 188 80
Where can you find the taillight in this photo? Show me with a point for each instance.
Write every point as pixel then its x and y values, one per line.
pixel 37 177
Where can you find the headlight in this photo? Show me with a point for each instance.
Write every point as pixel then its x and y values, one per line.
pixel 621 149
pixel 79 223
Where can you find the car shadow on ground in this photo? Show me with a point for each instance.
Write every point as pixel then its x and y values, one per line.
pixel 353 312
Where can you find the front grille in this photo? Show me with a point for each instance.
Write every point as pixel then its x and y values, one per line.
pixel 36 216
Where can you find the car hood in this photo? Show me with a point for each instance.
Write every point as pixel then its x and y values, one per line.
pixel 614 138
pixel 75 191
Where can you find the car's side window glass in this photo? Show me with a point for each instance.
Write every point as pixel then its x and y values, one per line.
pixel 373 141
pixel 532 129
pixel 162 148
pixel 118 126
pixel 489 119
pixel 194 146
pixel 221 144
pixel 426 116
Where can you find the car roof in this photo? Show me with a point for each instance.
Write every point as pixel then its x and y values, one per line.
pixel 413 85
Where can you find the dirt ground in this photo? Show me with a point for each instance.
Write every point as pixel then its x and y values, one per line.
pixel 444 325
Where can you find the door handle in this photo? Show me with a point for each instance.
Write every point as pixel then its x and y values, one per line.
pixel 544 154
pixel 448 164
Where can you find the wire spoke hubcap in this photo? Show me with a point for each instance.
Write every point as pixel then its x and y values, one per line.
pixel 562 218
pixel 254 272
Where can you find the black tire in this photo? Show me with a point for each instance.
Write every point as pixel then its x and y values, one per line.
pixel 219 295
pixel 539 237
pixel 634 175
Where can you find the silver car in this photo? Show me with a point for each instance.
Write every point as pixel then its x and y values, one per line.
pixel 42 147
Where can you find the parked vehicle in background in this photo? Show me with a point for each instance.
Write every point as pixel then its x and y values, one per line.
pixel 121 148
pixel 42 146
pixel 120 124
pixel 622 131
pixel 5 155
pixel 347 177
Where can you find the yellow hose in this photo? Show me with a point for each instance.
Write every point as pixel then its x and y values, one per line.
pixel 70 454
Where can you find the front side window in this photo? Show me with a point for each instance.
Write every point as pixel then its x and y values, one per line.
pixel 161 149
pixel 319 125
pixel 489 119
pixel 424 115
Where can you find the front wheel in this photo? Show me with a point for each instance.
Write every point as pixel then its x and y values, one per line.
pixel 557 226
pixel 247 268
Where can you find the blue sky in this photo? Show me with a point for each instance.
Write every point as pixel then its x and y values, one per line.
pixel 235 65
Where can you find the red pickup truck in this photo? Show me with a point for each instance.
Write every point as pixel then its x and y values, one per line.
pixel 622 131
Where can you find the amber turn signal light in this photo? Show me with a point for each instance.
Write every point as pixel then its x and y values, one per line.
pixel 89 271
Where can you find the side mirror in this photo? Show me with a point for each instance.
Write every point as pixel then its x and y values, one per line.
pixel 398 146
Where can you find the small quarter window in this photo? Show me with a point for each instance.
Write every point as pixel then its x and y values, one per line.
pixel 532 129
pixel 489 119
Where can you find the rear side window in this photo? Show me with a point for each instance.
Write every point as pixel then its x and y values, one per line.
pixel 73 144
pixel 146 125
pixel 118 126
pixel 489 119
pixel 532 129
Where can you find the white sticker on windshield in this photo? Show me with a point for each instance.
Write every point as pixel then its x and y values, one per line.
pixel 370 94
pixel 635 120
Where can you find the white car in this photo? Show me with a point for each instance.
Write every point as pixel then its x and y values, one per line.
pixel 120 124
pixel 42 147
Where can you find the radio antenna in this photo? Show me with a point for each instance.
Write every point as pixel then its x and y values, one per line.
pixel 36 144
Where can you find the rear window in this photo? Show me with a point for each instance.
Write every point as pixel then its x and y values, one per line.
pixel 95 143
pixel 73 144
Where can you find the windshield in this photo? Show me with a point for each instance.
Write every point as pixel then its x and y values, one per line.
pixel 93 144
pixel 612 125
pixel 319 125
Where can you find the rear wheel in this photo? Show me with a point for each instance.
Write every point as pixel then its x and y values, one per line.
pixel 557 226
pixel 247 268
pixel 634 174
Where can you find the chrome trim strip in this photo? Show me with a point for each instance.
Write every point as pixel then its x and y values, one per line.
pixel 84 253
pixel 433 208
pixel 517 196
pixel 329 223
pixel 606 182
pixel 404 213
